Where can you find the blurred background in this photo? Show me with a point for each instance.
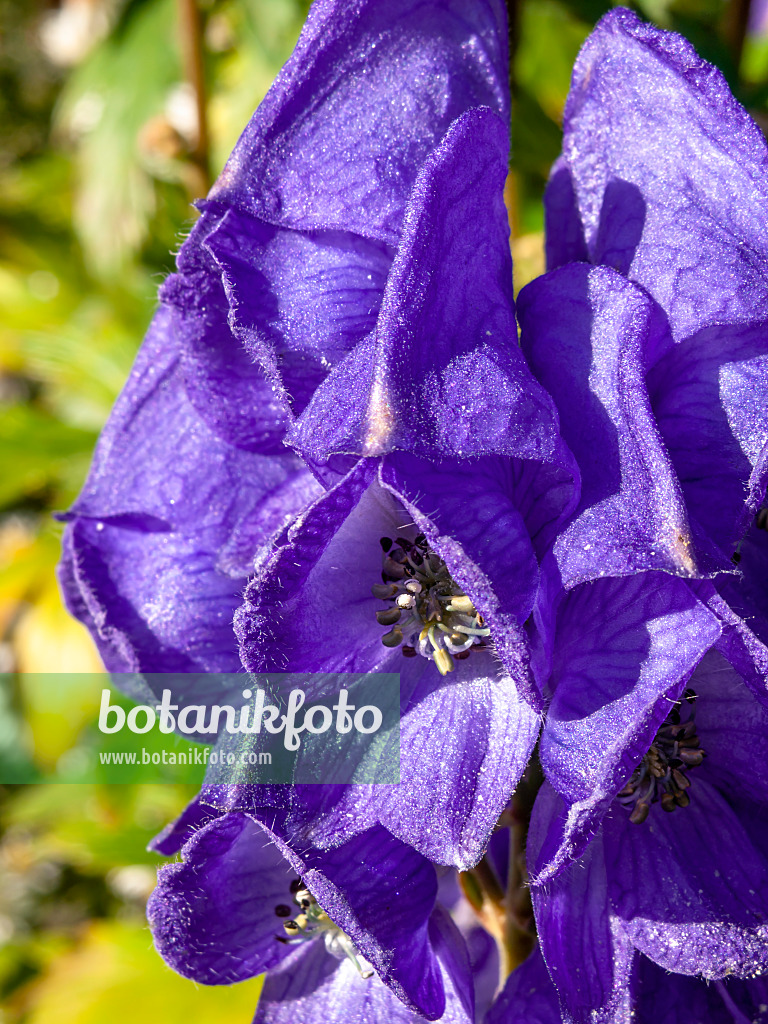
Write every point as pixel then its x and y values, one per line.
pixel 114 115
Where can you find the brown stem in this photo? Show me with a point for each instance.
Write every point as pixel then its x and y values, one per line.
pixel 518 936
pixel 736 23
pixel 482 889
pixel 191 32
pixel 505 915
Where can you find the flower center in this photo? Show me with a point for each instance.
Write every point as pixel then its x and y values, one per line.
pixel 428 611
pixel 312 922
pixel 661 777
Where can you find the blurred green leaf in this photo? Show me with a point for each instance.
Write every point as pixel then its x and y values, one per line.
pixel 37 451
pixel 550 39
pixel 106 102
pixel 256 40
pixel 115 975
pixel 96 827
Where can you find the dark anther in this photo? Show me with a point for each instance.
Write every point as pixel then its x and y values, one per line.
pixel 735 557
pixel 388 617
pixel 661 775
pixel 761 519
pixel 393 569
pixel 640 813
pixel 283 910
pixel 691 757
pixel 296 886
pixel 429 614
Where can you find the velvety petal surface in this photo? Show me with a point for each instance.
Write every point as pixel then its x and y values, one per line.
pixel 588 954
pixel 382 894
pixel 368 92
pixel 690 887
pixel 501 511
pixel 564 233
pixel 227 389
pixel 670 174
pixel 587 333
pixel 710 400
pixel 623 647
pixel 441 374
pixel 664 998
pixel 315 987
pixel 213 915
pixel 732 724
pixel 738 644
pixel 464 743
pixel 747 1001
pixel 169 522
pixel 311 608
pixel 298 301
pixel 528 997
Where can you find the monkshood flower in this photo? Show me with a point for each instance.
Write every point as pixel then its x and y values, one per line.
pixel 354 934
pixel 657 848
pixel 424 560
pixel 656 997
pixel 664 179
pixel 631 398
pixel 281 276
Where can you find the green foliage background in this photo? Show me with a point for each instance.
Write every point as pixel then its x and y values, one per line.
pixel 98 166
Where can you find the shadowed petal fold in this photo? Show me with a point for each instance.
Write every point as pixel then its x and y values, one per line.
pixel 622 648
pixel 587 333
pixel 588 954
pixel 647 117
pixel 213 915
pixel 169 522
pixel 709 396
pixel 441 374
pixel 368 92
pixel 693 894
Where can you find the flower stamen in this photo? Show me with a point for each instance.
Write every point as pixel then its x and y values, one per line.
pixel 661 775
pixel 428 611
pixel 313 922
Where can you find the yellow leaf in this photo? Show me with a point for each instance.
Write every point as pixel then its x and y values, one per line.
pixel 115 975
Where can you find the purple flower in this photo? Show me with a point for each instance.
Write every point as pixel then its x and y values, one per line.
pixel 282 275
pixel 673 863
pixel 464 738
pixel 663 179
pixel 355 932
pixel 669 453
pixel 440 376
pixel 617 623
pixel 424 561
pixel 529 997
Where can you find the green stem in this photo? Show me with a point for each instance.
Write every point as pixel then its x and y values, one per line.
pixel 191 32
